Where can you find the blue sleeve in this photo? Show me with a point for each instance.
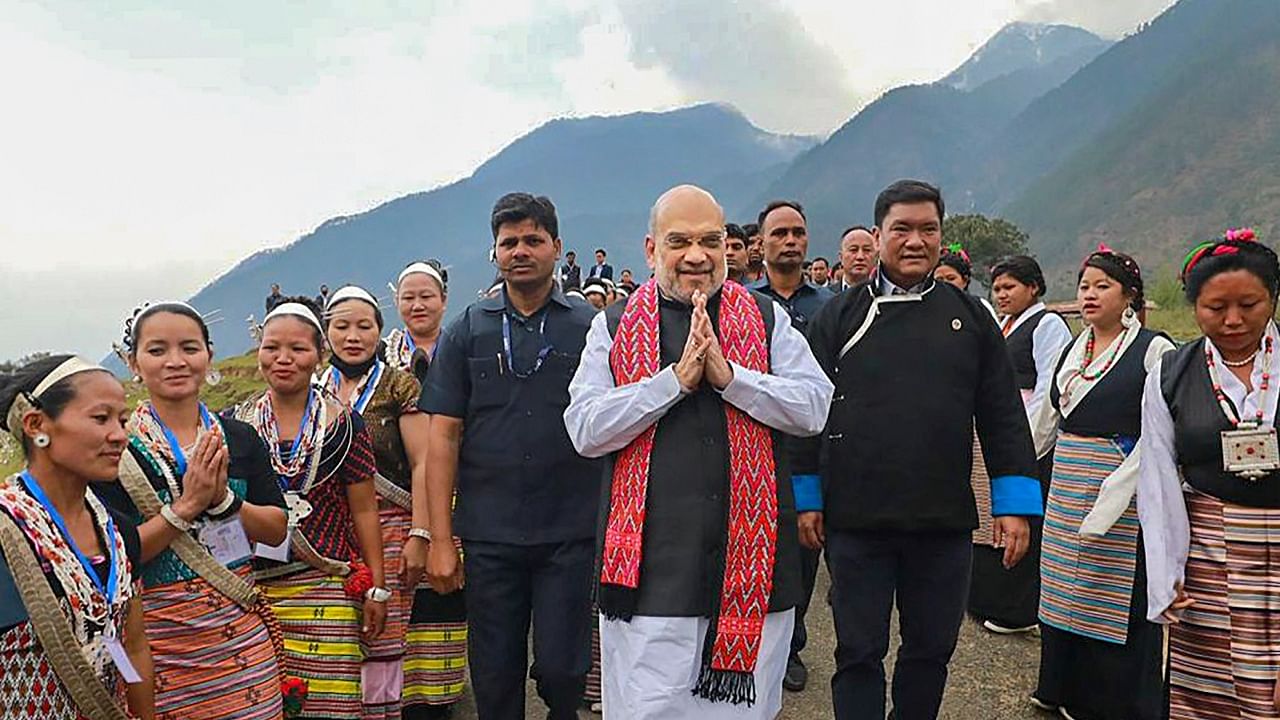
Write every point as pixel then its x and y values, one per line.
pixel 1016 495
pixel 808 492
pixel 12 611
pixel 447 387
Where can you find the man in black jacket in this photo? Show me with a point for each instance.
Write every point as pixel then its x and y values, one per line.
pixel 916 365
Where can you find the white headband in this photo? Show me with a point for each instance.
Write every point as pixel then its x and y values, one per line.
pixel 420 267
pixel 594 288
pixel 350 292
pixel 21 406
pixel 296 310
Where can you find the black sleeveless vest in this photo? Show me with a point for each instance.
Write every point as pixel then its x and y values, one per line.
pixel 687 507
pixel 1197 424
pixel 1113 407
pixel 1021 344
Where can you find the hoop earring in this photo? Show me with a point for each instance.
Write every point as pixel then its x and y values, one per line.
pixel 213 377
pixel 41 440
pixel 1129 314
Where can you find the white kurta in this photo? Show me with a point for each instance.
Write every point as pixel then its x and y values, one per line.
pixel 649 665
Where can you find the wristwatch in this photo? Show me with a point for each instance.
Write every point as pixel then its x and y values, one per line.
pixel 377 594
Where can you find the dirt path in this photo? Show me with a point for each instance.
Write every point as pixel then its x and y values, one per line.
pixel 991 676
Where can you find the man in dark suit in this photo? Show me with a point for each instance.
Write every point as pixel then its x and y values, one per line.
pixel 601 269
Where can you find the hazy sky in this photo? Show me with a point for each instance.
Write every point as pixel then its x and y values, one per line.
pixel 145 146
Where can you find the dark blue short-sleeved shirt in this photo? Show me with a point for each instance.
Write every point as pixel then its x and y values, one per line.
pixel 519 479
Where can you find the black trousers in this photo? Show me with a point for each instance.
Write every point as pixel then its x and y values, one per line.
pixel 808 577
pixel 928 573
pixel 507 587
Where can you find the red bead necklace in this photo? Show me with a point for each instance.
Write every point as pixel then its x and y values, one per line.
pixel 1262 387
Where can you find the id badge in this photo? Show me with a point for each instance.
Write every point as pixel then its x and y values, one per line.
pixel 1251 453
pixel 121 659
pixel 279 553
pixel 226 540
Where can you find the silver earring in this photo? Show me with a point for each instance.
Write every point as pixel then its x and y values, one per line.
pixel 213 377
pixel 41 440
pixel 137 378
pixel 1130 313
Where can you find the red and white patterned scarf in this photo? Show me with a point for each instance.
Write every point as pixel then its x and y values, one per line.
pixel 733 639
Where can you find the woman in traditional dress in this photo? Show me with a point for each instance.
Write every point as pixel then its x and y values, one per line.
pixel 435 660
pixel 955 268
pixel 1099 657
pixel 387 400
pixel 1006 599
pixel 1209 489
pixel 422 292
pixel 71 634
pixel 213 651
pixel 325 582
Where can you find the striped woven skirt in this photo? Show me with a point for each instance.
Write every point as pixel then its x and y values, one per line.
pixel 435 660
pixel 981 482
pixel 1086 583
pixel 1224 655
pixel 321 627
pixel 382 675
pixel 213 659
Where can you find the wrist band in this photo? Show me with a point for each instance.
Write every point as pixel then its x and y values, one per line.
pixel 171 517
pixel 420 533
pixel 377 594
pixel 228 499
pixel 233 508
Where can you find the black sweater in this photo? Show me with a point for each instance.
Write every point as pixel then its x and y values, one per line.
pixel 900 434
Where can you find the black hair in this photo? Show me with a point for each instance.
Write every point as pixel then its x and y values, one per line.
pixel 133 326
pixel 824 261
pixel 774 205
pixel 908 192
pixel 377 312
pixel 24 381
pixel 751 229
pixel 1250 256
pixel 519 206
pixel 574 254
pixel 600 251
pixel 1121 268
pixel 957 262
pixel 732 230
pixel 851 228
pixel 1022 268
pixel 310 304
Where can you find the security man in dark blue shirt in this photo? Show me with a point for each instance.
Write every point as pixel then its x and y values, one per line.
pixel 526 501
pixel 786 241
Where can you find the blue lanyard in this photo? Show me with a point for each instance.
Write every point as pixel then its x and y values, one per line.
pixel 109 540
pixel 413 346
pixel 306 414
pixel 335 378
pixel 175 447
pixel 511 358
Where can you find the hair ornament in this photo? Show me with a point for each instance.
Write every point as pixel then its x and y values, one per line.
pixel 957 249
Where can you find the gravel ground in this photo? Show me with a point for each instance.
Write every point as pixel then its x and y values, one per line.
pixel 991 675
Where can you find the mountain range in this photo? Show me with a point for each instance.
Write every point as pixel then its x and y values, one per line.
pixel 1168 135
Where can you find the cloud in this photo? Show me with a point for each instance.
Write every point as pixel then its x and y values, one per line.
pixel 1111 18
pixel 754 54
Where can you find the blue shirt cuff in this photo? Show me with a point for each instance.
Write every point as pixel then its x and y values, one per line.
pixel 1016 495
pixel 808 492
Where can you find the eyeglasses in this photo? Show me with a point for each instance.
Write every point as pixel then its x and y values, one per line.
pixel 708 240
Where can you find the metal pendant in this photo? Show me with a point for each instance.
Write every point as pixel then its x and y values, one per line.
pixel 1250 452
pixel 298 506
